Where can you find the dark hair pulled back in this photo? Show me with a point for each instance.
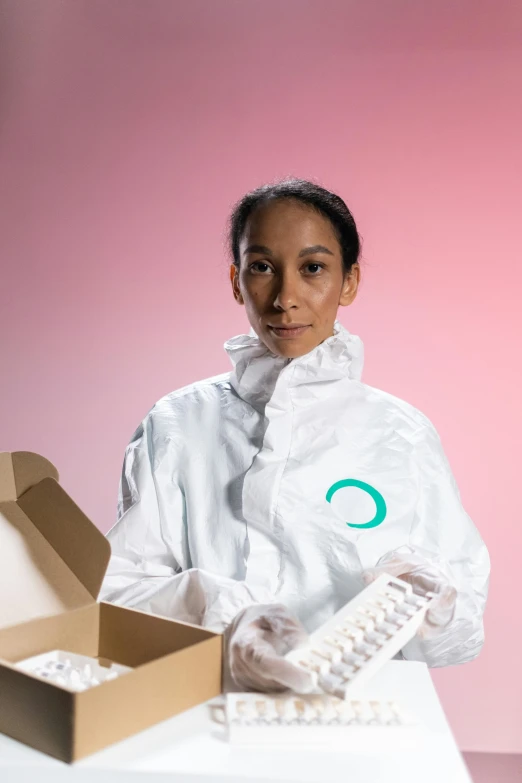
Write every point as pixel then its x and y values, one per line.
pixel 308 193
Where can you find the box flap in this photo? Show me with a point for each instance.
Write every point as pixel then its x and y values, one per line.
pixel 52 558
pixel 30 468
pixel 21 470
pixel 7 479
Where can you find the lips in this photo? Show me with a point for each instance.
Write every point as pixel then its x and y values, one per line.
pixel 288 326
pixel 288 332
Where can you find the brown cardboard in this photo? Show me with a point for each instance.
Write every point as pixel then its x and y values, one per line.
pixel 52 563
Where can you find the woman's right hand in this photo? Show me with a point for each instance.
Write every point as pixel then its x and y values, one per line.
pixel 255 643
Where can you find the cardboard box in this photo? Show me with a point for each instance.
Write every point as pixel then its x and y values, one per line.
pixel 52 564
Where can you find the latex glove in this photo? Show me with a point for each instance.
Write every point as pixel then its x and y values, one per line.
pixel 424 578
pixel 255 642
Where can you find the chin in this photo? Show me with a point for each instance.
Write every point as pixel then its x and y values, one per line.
pixel 293 351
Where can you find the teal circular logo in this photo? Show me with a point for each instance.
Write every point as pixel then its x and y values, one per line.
pixel 380 504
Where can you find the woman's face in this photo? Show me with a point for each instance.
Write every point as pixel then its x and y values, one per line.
pixel 291 277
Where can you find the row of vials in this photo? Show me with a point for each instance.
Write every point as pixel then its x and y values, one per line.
pixel 259 710
pixel 361 637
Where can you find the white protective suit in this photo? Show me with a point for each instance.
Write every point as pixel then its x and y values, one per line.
pixel 282 481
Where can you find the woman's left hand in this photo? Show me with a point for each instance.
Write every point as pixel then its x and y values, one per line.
pixel 424 578
pixel 256 642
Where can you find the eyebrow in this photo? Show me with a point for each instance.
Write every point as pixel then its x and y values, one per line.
pixel 306 251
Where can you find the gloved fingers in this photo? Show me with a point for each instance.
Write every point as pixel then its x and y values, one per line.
pixel 423 581
pixel 256 641
pixel 422 577
pixel 288 674
pixel 391 564
pixel 283 631
pixel 440 613
pixel 271 622
pixel 256 666
pixel 441 610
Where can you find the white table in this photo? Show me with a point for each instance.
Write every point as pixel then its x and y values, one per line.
pixel 192 748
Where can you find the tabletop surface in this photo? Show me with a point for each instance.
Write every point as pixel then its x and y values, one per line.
pixel 192 747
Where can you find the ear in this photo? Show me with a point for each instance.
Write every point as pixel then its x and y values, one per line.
pixel 350 286
pixel 234 279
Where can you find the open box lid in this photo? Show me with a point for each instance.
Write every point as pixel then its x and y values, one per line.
pixel 52 557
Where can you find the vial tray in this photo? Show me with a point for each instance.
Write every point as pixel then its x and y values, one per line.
pixel 345 652
pixel 70 670
pixel 318 719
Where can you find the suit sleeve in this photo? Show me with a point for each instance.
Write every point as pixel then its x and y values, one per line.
pixel 444 535
pixel 150 564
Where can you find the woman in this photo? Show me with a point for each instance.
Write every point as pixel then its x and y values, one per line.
pixel 260 501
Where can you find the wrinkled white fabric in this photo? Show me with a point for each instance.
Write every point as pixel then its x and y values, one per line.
pixel 232 493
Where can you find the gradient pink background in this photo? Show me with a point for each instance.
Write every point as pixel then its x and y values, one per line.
pixel 128 129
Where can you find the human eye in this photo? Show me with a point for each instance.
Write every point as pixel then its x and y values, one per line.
pixel 314 267
pixel 255 267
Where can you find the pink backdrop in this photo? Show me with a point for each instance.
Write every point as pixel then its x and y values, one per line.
pixel 128 129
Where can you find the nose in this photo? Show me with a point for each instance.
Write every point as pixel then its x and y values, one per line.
pixel 287 292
